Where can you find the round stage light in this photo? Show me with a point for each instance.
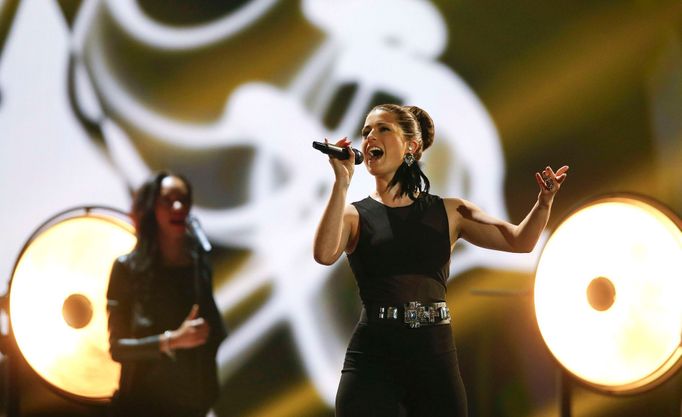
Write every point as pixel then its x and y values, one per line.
pixel 607 293
pixel 57 300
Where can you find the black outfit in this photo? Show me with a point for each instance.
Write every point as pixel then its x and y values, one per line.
pixel 402 255
pixel 142 305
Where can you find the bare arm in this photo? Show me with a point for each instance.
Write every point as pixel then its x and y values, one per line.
pixel 337 228
pixel 481 229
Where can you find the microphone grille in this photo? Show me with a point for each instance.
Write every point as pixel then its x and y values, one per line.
pixel 359 157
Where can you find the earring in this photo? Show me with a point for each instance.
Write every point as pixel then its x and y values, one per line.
pixel 409 159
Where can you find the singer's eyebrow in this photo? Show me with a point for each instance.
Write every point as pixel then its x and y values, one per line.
pixel 377 124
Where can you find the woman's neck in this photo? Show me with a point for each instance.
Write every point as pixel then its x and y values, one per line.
pixel 173 250
pixel 389 196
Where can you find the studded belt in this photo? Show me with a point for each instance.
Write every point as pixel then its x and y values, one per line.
pixel 413 314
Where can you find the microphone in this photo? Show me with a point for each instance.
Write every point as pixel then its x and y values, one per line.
pixel 338 152
pixel 198 233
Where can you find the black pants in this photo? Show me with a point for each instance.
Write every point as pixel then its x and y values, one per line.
pixel 374 386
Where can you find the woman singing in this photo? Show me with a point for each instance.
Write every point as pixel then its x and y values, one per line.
pixel 164 327
pixel 399 242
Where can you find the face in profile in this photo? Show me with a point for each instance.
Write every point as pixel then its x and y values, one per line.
pixel 172 206
pixel 382 143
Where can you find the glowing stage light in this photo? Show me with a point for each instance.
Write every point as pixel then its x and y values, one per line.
pixel 58 301
pixel 607 293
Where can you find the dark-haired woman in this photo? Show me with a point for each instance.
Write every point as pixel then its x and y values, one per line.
pixel 164 326
pixel 398 242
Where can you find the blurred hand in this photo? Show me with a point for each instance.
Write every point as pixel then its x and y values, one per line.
pixel 192 332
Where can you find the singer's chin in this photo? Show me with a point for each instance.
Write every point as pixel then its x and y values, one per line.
pixel 372 167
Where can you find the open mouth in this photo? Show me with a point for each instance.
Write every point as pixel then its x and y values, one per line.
pixel 375 152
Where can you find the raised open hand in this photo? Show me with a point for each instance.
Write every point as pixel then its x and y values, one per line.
pixel 549 181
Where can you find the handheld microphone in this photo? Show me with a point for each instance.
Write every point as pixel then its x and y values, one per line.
pixel 198 233
pixel 338 152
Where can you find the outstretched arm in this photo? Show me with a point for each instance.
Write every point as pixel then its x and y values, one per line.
pixel 336 228
pixel 474 225
pixel 123 345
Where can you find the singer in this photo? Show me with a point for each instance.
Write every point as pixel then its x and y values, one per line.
pixel 399 241
pixel 164 326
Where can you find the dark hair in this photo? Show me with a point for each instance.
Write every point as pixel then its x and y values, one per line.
pixel 416 125
pixel 146 251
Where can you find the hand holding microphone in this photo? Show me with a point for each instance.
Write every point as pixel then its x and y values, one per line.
pixel 339 152
pixel 340 158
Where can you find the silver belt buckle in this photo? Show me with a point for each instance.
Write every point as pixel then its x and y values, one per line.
pixel 417 313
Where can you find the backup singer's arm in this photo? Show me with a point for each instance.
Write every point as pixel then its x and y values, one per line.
pixel 123 345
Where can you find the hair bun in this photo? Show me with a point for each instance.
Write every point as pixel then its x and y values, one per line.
pixel 426 126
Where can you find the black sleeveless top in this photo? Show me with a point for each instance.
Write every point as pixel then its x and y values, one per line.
pixel 403 253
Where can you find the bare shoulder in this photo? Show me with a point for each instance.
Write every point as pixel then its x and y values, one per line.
pixel 454 208
pixel 351 212
pixel 457 206
pixel 462 212
pixel 351 217
pixel 350 209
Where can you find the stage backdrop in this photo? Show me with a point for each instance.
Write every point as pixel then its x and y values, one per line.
pixel 95 95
